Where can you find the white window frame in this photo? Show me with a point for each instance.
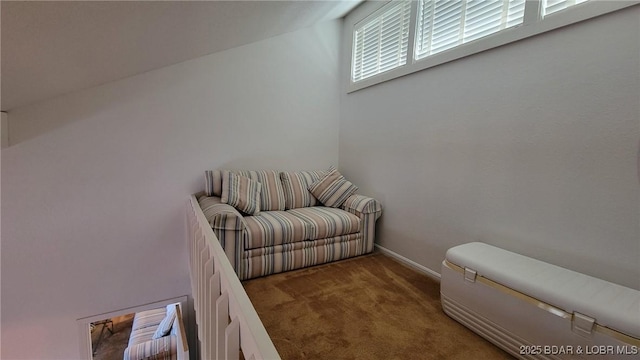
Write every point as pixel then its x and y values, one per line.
pixel 364 23
pixel 533 24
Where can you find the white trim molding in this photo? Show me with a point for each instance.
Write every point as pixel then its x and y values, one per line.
pixel 412 264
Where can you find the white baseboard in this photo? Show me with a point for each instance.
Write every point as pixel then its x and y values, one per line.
pixel 425 270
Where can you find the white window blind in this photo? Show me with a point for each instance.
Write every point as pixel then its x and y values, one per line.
pixel 380 44
pixel 551 6
pixel 445 24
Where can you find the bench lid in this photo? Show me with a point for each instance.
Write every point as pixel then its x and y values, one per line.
pixel 611 305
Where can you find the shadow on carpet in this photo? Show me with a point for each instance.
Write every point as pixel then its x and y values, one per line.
pixel 370 307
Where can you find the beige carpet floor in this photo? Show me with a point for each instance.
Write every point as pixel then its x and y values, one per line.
pixel 370 307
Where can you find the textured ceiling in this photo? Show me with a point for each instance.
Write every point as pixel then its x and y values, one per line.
pixel 50 48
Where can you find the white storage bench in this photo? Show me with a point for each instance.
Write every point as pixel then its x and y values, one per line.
pixel 533 309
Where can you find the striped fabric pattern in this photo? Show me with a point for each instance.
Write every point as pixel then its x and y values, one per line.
pixel 241 192
pixel 296 188
pixel 148 318
pixel 326 222
pixel 274 228
pixel 219 215
pixel 142 335
pixel 164 328
pixel 286 257
pixel 164 348
pixel 333 189
pixel 228 226
pixel 362 204
pixel 368 210
pixel 213 183
pixel 271 196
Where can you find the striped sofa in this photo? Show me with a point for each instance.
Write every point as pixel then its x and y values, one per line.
pixel 157 334
pixel 292 228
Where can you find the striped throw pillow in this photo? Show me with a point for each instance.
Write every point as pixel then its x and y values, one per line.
pixel 165 325
pixel 241 192
pixel 213 182
pixel 332 189
pixel 271 193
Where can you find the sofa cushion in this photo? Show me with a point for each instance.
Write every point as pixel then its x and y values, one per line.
pixel 271 195
pixel 141 335
pixel 296 188
pixel 148 318
pixel 163 348
pixel 327 222
pixel 332 189
pixel 271 228
pixel 241 192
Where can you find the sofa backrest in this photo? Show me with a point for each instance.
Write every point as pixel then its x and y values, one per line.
pixel 296 188
pixel 271 195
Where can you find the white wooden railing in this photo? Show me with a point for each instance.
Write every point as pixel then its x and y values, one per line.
pixel 226 320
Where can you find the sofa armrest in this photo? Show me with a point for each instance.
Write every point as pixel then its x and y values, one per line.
pixel 220 216
pixel 363 205
pixel 368 210
pixel 162 348
pixel 227 224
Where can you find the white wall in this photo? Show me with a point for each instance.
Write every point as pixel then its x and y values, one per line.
pixel 95 183
pixel 4 130
pixel 532 147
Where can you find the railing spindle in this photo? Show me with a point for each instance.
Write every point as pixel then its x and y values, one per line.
pixel 232 340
